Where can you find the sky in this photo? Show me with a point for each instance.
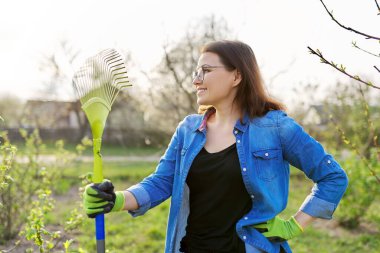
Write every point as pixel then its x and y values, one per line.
pixel 278 32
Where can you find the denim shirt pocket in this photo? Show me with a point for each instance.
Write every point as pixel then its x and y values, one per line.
pixel 268 163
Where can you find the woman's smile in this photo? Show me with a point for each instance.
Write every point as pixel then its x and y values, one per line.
pixel 201 91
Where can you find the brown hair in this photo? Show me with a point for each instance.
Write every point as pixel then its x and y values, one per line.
pixel 251 96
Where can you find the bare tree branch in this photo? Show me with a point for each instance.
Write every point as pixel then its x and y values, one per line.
pixel 356 46
pixel 371 138
pixel 169 101
pixel 179 81
pixel 341 68
pixel 349 28
pixel 170 66
pixel 377 69
pixel 192 49
pixel 378 7
pixel 150 93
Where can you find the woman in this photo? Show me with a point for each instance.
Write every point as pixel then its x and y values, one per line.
pixel 227 169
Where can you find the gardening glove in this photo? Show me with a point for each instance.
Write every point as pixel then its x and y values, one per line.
pixel 101 198
pixel 279 230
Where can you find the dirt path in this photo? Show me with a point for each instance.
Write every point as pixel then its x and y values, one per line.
pixel 129 158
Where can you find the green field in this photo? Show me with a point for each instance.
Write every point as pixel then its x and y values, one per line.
pixel 147 233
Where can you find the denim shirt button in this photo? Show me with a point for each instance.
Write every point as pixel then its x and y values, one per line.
pixel 245 218
pixel 266 154
pixel 238 141
pixel 252 196
pixel 236 131
pixel 244 169
pixel 328 161
pixel 244 237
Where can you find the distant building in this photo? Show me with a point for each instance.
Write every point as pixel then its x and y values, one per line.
pixel 47 114
pixel 66 120
pixel 54 120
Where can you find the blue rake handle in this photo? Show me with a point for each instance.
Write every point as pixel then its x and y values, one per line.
pixel 100 234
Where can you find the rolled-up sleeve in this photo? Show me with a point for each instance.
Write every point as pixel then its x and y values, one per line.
pixel 305 153
pixel 142 198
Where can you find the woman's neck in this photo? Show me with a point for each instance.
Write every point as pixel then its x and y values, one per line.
pixel 225 117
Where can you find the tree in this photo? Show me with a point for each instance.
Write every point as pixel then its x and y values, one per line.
pixel 356 119
pixel 372 137
pixel 58 69
pixel 340 67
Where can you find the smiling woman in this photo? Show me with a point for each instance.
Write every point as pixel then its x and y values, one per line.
pixel 226 169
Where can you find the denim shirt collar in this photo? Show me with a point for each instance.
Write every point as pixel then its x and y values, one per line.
pixel 242 126
pixel 202 124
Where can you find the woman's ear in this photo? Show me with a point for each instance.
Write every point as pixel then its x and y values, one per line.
pixel 237 78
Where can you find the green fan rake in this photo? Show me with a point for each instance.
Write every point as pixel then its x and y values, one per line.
pixel 97 84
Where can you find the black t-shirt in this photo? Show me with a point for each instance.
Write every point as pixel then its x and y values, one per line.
pixel 218 199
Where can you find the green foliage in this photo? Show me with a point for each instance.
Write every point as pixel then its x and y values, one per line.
pixel 354 126
pixel 7 158
pixel 362 191
pixel 28 177
pixel 35 227
pixel 8 152
pixel 351 113
pixel 28 182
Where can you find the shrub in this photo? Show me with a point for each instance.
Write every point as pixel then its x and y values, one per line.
pixel 362 191
pixel 27 182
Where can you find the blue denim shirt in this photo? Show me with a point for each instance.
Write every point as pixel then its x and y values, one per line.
pixel 266 146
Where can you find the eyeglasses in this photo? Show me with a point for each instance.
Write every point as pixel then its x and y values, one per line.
pixel 201 71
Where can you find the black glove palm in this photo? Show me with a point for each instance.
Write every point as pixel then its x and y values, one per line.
pixel 99 198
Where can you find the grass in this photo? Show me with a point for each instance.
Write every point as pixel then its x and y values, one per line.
pixel 147 233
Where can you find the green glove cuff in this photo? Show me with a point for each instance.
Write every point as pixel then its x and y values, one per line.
pixel 119 202
pixel 295 224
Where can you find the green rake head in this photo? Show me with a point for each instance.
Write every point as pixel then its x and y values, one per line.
pixel 97 84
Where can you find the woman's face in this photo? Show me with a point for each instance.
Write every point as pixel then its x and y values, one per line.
pixel 219 85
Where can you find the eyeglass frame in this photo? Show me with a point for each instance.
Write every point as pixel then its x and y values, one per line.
pixel 196 73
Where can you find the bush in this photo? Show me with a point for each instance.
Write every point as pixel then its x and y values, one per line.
pixel 363 190
pixel 27 182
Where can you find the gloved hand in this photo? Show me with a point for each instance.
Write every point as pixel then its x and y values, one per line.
pixel 101 198
pixel 278 230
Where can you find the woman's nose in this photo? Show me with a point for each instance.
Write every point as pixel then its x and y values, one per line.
pixel 197 81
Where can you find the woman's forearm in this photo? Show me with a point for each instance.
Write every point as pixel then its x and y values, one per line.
pixel 304 219
pixel 130 203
